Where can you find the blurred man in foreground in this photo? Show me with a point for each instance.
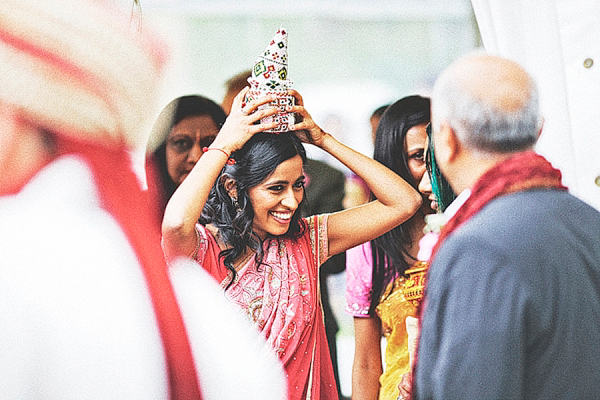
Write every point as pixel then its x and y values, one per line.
pixel 87 306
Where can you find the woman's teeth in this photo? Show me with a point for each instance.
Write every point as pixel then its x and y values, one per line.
pixel 280 215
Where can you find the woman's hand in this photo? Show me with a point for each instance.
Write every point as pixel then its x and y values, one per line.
pixel 405 386
pixel 240 125
pixel 306 129
pixel 186 204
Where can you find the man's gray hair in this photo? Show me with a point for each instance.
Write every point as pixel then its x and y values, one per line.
pixel 483 127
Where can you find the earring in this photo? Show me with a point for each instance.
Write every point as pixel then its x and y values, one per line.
pixel 236 205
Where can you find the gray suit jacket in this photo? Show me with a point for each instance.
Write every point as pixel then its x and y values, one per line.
pixel 512 308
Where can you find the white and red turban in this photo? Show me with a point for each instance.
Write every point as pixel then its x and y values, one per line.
pixel 76 67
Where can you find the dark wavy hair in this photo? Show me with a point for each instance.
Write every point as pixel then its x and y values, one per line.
pixel 254 162
pixel 175 112
pixel 391 250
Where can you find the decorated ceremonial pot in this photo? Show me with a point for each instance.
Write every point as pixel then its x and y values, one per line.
pixel 269 77
pixel 283 118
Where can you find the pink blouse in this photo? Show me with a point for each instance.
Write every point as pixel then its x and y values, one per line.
pixel 359 277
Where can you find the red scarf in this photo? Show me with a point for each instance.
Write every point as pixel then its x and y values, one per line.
pixel 523 171
pixel 137 214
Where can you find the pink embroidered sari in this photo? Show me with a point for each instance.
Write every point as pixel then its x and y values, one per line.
pixel 282 298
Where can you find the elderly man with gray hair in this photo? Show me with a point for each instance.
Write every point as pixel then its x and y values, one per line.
pixel 512 302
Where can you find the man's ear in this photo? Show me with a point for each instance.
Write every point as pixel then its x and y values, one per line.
pixel 24 150
pixel 541 128
pixel 8 129
pixel 230 185
pixel 446 144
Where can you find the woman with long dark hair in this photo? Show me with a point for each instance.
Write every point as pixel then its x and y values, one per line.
pixel 247 190
pixel 375 270
pixel 435 188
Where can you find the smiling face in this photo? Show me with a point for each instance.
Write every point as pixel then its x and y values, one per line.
pixel 185 143
pixel 275 199
pixel 414 145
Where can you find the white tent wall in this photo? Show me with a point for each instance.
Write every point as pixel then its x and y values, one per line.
pixel 557 41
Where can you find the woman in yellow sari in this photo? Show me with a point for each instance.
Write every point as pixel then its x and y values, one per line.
pixel 376 270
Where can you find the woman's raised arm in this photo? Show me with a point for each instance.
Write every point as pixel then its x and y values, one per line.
pixel 185 206
pixel 396 200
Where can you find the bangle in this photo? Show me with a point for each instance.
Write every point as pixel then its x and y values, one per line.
pixel 205 149
pixel 230 161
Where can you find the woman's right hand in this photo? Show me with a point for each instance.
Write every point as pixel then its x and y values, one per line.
pixel 186 204
pixel 240 125
pixel 405 386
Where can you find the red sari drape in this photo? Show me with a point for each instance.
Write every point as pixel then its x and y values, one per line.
pixel 281 296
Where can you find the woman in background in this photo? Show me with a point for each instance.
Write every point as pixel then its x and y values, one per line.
pixel 436 188
pixel 182 130
pixel 375 271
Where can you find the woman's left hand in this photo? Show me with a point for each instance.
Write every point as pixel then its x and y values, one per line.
pixel 306 129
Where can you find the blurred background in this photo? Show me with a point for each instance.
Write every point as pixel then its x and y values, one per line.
pixel 346 57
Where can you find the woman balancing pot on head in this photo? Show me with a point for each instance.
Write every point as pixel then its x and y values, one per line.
pixel 246 191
